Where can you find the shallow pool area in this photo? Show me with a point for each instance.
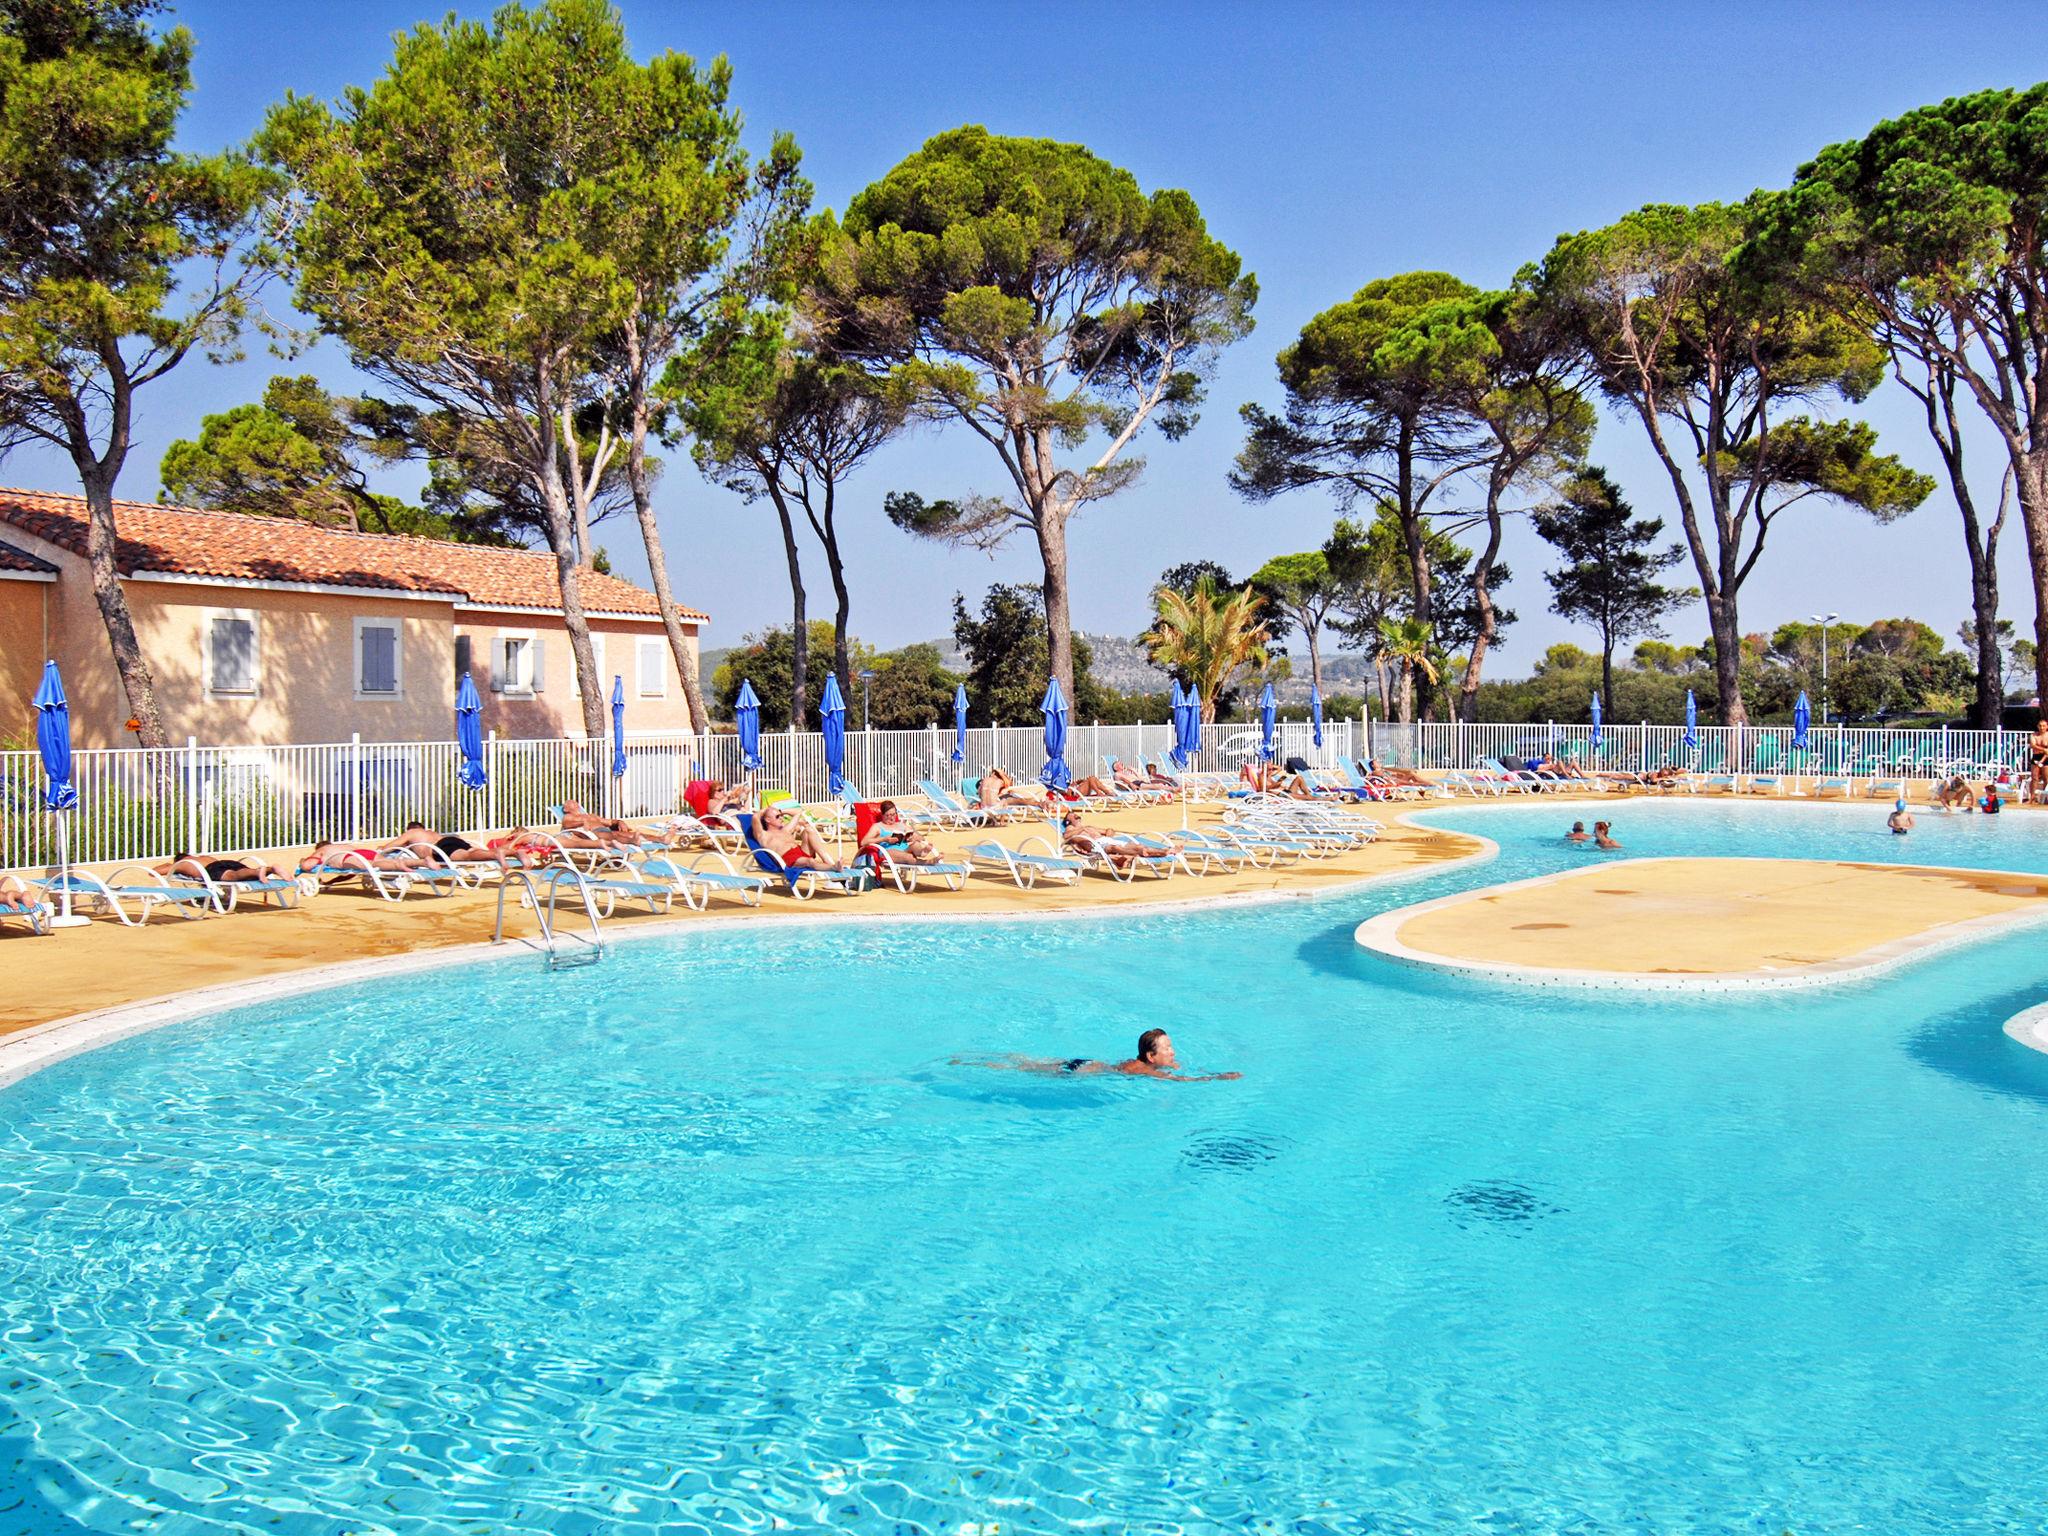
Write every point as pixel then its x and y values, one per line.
pixel 749 1229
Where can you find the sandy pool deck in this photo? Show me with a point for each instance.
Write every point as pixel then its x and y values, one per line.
pixel 104 965
pixel 1704 919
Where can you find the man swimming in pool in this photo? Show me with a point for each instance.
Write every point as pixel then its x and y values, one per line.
pixel 1155 1058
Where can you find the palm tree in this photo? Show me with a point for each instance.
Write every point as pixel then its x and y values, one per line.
pixel 1406 644
pixel 1207 636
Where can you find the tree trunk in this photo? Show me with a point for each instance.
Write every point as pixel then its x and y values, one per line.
pixel 1315 657
pixel 136 679
pixel 2030 476
pixel 554 496
pixel 1059 632
pixel 1482 594
pixel 800 624
pixel 1727 633
pixel 1606 675
pixel 842 642
pixel 1407 692
pixel 650 534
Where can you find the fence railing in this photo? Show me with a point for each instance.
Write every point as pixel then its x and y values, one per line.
pixel 149 803
pixel 1858 751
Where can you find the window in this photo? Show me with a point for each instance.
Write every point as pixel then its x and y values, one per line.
pixel 231 667
pixel 597 659
pixel 377 659
pixel 463 662
pixel 653 660
pixel 518 668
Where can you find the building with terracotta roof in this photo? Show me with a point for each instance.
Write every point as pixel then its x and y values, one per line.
pixel 267 629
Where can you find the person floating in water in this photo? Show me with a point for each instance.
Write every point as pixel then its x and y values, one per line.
pixel 1991 804
pixel 1155 1058
pixel 1578 833
pixel 1901 819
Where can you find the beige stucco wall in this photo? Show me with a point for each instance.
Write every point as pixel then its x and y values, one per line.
pixel 307 663
pixel 21 653
pixel 554 709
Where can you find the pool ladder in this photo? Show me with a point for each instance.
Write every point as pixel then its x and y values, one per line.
pixel 559 946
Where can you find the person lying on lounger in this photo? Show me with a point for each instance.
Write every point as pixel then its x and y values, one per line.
pixel 417 837
pixel 16 897
pixel 189 866
pixel 792 839
pixel 521 848
pixel 1080 837
pixel 332 855
pixel 1132 779
pixel 1155 1058
pixel 601 829
pixel 892 833
pixel 1263 777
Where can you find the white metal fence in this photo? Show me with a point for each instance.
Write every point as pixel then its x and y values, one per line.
pixel 1850 751
pixel 136 803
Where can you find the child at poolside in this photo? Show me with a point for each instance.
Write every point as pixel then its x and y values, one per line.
pixel 1990 805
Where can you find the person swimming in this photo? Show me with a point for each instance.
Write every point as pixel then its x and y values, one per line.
pixel 1603 835
pixel 1155 1058
pixel 1578 833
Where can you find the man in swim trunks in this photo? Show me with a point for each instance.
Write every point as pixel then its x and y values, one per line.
pixel 417 837
pixel 792 840
pixel 220 871
pixel 1155 1058
pixel 1084 839
pixel 2037 749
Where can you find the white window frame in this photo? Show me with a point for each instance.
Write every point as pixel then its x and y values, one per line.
pixel 597 657
pixel 640 654
pixel 255 621
pixel 505 685
pixel 397 629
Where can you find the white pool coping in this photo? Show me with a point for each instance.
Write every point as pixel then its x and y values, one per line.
pixel 28 1051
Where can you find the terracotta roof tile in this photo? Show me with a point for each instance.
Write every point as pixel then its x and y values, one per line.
pixel 187 542
pixel 12 559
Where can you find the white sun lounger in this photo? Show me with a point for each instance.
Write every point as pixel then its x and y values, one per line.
pixel 1022 865
pixel 132 883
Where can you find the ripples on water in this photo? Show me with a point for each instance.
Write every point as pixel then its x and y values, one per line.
pixel 745 1234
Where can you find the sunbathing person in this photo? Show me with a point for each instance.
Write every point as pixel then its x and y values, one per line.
pixel 418 837
pixel 521 848
pixel 1155 1058
pixel 328 856
pixel 603 829
pixel 16 897
pixel 892 834
pixel 792 839
pixel 1101 841
pixel 1132 780
pixel 189 866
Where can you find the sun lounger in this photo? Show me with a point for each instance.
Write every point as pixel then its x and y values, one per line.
pixel 1022 865
pixel 36 914
pixel 1259 851
pixel 907 873
pixel 1891 787
pixel 1196 858
pixel 951 811
pixel 697 884
pixel 133 883
pixel 803 881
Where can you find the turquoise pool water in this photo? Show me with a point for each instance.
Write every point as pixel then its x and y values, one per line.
pixel 719 1237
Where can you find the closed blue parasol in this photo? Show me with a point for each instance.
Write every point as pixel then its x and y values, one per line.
pixel 469 735
pixel 1595 738
pixel 959 722
pixel 1191 723
pixel 1055 774
pixel 1692 720
pixel 1802 722
pixel 1269 714
pixel 1315 713
pixel 618 728
pixel 53 742
pixel 832 723
pixel 1176 711
pixel 746 713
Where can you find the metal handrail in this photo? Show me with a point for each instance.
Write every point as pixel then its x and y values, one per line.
pixel 555 876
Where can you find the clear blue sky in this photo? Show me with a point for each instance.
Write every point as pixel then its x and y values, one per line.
pixel 1329 145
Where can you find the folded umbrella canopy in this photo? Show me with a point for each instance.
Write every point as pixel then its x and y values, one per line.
pixel 746 715
pixel 53 744
pixel 1176 710
pixel 1692 720
pixel 469 735
pixel 1055 774
pixel 959 722
pixel 1315 713
pixel 1596 722
pixel 832 723
pixel 1802 721
pixel 619 742
pixel 1269 712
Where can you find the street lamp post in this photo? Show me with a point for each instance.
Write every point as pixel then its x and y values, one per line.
pixel 1824 622
pixel 865 679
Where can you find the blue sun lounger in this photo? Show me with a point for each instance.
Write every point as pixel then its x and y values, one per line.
pixel 803 881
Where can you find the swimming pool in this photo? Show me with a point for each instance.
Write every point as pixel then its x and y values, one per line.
pixel 718 1236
